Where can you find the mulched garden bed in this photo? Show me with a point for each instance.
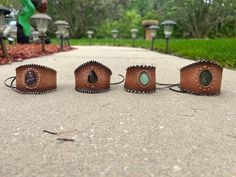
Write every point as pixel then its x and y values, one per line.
pixel 20 52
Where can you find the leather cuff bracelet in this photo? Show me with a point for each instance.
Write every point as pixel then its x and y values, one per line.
pixel 201 78
pixel 140 79
pixel 34 79
pixel 93 77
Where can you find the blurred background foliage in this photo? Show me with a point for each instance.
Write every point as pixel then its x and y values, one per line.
pixel 195 18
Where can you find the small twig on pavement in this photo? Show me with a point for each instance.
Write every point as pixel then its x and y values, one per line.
pixel 65 139
pixel 60 134
pixel 52 133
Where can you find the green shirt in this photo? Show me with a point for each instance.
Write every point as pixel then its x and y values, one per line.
pixel 25 15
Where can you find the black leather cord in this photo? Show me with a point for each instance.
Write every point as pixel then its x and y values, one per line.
pixel 12 81
pixel 166 85
pixel 116 83
pixel 11 85
pixel 175 90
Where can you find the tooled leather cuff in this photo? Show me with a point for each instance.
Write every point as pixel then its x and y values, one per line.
pixel 92 77
pixel 34 79
pixel 140 79
pixel 201 78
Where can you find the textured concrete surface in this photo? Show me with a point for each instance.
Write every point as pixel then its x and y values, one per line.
pixel 119 134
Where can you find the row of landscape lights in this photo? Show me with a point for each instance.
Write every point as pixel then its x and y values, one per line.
pixel 63 30
pixel 168 29
pixel 41 21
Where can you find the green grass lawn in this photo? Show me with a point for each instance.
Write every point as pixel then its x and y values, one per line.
pixel 223 51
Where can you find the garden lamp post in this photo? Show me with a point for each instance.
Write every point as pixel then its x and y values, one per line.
pixel 90 36
pixel 3 11
pixel 41 21
pixel 61 29
pixel 134 35
pixel 168 29
pixel 153 30
pixel 115 35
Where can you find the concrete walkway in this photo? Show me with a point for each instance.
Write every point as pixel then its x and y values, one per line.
pixel 120 134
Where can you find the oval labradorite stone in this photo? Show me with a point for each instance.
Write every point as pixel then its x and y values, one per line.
pixel 205 78
pixel 144 78
pixel 30 78
pixel 92 77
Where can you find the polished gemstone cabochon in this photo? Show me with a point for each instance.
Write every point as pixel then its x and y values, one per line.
pixel 144 78
pixel 92 77
pixel 205 78
pixel 30 78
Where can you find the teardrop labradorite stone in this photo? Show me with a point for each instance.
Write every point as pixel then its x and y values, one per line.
pixel 144 78
pixel 92 77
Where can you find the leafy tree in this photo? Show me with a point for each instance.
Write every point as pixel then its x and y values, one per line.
pixel 195 18
pixel 142 6
pixel 200 17
pixel 83 14
pixel 10 3
pixel 130 19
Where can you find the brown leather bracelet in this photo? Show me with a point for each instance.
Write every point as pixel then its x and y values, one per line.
pixel 140 79
pixel 92 77
pixel 34 79
pixel 201 78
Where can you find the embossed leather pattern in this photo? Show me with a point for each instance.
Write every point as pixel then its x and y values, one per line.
pixel 190 78
pixel 92 77
pixel 132 79
pixel 35 79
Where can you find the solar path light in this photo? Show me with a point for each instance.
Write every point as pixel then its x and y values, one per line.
pixel 41 21
pixel 153 30
pixel 114 35
pixel 146 24
pixel 61 30
pixel 90 36
pixel 168 30
pixel 134 33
